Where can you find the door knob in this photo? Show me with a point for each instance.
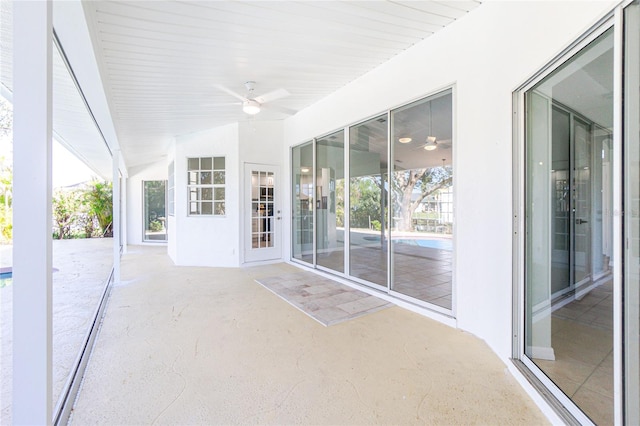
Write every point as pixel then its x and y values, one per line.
pixel 581 221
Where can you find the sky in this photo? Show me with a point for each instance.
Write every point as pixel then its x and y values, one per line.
pixel 67 169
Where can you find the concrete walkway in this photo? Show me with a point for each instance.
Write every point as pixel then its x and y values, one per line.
pixel 185 345
pixel 81 270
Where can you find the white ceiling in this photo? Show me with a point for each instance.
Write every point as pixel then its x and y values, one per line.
pixel 160 61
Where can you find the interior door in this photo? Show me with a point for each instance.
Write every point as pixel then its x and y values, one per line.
pixel 582 203
pixel 263 218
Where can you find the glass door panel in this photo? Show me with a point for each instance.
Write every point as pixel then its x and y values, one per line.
pixel 368 166
pixel 155 196
pixel 568 224
pixel 631 289
pixel 422 200
pixel 303 202
pixel 330 201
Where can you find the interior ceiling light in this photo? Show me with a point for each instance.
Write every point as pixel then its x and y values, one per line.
pixel 251 106
pixel 304 170
pixel 431 143
pixel 404 140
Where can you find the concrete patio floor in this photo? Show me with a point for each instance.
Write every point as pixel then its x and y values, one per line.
pixel 183 345
pixel 81 269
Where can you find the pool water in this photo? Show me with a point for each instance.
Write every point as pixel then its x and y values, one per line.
pixel 436 244
pixel 6 278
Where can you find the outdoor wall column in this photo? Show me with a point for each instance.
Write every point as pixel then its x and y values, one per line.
pixel 117 212
pixel 123 209
pixel 32 123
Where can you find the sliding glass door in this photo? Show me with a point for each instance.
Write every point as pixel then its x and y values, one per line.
pixel 368 235
pixel 330 201
pixel 347 206
pixel 422 200
pixel 302 203
pixel 631 184
pixel 568 288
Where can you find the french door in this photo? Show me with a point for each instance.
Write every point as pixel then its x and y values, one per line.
pixel 263 217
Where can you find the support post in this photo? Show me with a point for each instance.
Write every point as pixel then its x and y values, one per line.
pixel 117 211
pixel 32 225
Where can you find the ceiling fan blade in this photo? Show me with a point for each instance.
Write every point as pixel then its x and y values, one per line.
pixel 230 92
pixel 222 104
pixel 272 96
pixel 279 108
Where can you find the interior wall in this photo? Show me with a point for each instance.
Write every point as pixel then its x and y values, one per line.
pixel 484 56
pixel 207 240
pixel 135 202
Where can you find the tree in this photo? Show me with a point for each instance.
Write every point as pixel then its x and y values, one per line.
pixel 66 208
pixel 99 201
pixel 422 183
pixel 365 201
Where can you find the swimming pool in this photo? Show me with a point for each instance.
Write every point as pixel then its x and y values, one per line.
pixel 6 278
pixel 436 244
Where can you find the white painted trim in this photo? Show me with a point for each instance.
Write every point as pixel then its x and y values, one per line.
pixel 546 353
pixel 32 222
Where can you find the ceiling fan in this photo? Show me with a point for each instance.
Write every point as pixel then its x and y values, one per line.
pixel 252 104
pixel 430 143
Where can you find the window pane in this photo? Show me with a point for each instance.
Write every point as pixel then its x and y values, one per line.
pixel 219 194
pixel 218 163
pixel 193 208
pixel 206 163
pixel 193 164
pixel 568 243
pixel 193 194
pixel 422 200
pixel 302 201
pixel 206 194
pixel 330 209
pixel 206 207
pixel 193 178
pixel 218 178
pixel 205 178
pixel 368 165
pixel 219 208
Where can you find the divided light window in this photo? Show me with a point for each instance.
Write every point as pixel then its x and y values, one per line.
pixel 206 186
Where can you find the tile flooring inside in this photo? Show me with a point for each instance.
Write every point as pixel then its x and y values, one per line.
pixel 423 273
pixel 582 339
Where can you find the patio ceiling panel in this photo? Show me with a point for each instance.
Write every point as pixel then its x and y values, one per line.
pixel 161 62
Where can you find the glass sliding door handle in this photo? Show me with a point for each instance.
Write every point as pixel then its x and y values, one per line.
pixel 581 221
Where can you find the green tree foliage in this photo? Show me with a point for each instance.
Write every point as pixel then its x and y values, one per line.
pixel 66 212
pixel 99 200
pixel 365 201
pixel 6 174
pixel 410 187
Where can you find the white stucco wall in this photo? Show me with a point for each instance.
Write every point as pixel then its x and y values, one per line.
pixel 207 240
pixel 484 56
pixel 135 202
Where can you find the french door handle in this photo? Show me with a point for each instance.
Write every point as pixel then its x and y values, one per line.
pixel 581 221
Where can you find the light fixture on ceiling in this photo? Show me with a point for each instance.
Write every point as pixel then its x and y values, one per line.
pixel 431 143
pixel 404 140
pixel 251 107
pixel 304 170
pixel 430 146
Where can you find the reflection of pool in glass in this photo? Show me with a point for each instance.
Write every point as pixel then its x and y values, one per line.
pixel 6 278
pixel 436 244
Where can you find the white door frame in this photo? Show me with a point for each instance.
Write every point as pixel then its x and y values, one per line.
pixel 253 254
